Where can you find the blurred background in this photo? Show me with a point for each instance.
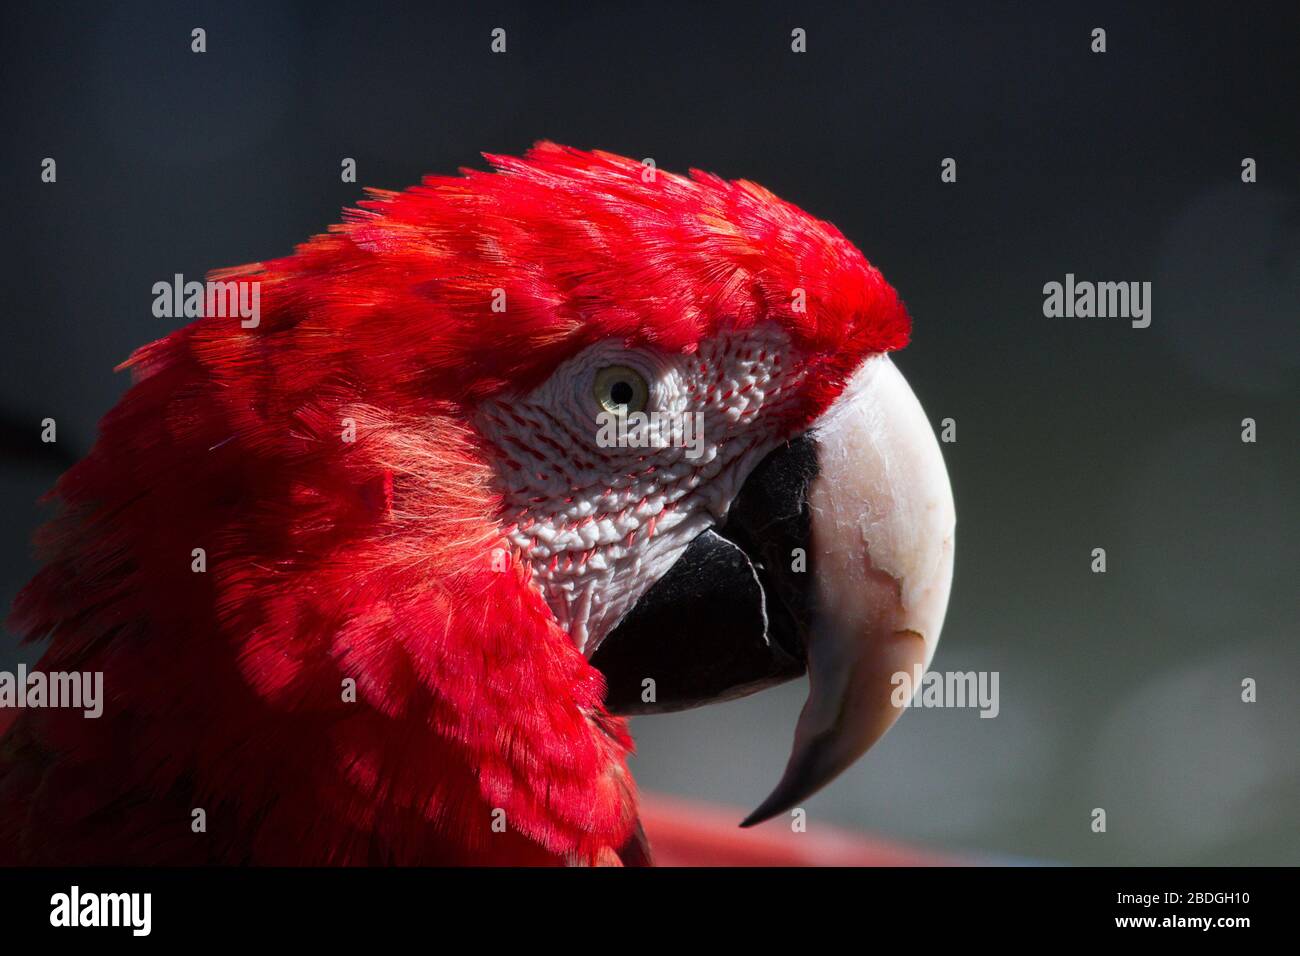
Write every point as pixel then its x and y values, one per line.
pixel 1119 690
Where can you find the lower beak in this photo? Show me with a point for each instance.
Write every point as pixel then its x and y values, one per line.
pixel 836 558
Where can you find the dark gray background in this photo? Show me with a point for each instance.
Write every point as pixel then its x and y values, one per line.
pixel 1118 690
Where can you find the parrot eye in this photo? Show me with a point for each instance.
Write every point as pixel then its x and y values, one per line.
pixel 621 390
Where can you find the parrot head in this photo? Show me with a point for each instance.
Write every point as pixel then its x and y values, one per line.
pixel 517 452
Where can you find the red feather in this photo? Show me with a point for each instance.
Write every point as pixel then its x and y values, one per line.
pixel 371 560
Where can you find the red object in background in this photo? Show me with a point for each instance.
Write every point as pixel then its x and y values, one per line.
pixel 686 833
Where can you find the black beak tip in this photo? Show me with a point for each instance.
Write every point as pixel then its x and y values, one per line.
pixel 777 802
pixel 754 819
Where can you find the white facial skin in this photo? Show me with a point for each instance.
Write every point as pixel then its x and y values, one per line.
pixel 599 525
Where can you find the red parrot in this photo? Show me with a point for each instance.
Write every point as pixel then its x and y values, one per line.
pixel 505 457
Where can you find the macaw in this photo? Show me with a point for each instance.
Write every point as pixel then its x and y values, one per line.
pixel 368 581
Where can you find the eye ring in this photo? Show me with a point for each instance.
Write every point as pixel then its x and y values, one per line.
pixel 621 390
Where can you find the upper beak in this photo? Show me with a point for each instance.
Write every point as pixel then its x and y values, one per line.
pixel 883 527
pixel 867 498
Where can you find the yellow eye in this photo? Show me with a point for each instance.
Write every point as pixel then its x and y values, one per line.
pixel 621 390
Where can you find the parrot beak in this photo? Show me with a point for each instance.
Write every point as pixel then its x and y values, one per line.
pixel 883 527
pixel 836 558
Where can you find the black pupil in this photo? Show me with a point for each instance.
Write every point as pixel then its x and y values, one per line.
pixel 620 393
